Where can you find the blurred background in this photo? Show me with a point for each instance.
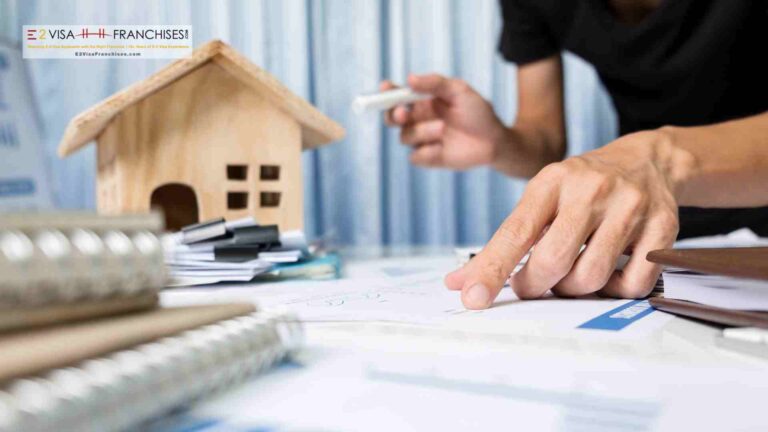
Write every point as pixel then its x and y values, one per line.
pixel 361 191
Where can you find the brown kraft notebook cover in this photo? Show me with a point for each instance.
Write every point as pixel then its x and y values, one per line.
pixel 31 352
pixel 713 314
pixel 17 317
pixel 749 262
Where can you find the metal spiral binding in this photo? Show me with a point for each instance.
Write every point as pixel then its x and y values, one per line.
pixel 47 266
pixel 126 389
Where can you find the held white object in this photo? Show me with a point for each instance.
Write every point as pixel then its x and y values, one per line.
pixel 387 99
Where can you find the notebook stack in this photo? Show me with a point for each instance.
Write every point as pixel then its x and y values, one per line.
pixel 237 251
pixel 726 284
pixel 84 344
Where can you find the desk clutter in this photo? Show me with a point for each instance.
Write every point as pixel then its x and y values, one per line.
pixel 728 278
pixel 84 344
pixel 727 286
pixel 721 280
pixel 716 277
pixel 239 251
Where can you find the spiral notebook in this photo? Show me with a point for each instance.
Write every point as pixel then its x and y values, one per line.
pixel 118 373
pixel 66 266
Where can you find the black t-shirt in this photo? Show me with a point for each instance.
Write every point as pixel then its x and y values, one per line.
pixel 690 62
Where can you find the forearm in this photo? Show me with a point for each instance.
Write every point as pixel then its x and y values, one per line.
pixel 721 165
pixel 524 149
pixel 537 138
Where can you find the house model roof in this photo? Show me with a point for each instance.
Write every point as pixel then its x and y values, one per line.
pixel 317 129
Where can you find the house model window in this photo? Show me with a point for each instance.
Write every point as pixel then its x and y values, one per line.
pixel 269 172
pixel 270 199
pixel 237 172
pixel 237 200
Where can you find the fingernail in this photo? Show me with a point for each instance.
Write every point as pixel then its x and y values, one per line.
pixel 478 296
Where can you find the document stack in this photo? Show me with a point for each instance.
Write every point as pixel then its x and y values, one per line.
pixel 238 251
pixel 84 345
pixel 722 279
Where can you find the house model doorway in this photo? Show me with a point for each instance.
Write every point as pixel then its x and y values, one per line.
pixel 178 203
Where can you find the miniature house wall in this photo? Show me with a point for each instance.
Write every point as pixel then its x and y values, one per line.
pixel 215 136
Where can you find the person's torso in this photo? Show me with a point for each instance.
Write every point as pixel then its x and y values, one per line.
pixel 689 62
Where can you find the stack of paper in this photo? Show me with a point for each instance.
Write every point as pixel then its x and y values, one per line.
pixel 721 291
pixel 220 250
pixel 727 292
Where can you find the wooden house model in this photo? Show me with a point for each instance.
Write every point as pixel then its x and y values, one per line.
pixel 208 136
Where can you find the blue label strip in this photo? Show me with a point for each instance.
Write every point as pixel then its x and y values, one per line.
pixel 620 317
pixel 16 187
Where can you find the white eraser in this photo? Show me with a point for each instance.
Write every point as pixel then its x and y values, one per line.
pixel 387 99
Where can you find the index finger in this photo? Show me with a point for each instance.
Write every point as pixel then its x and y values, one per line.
pixel 483 277
pixel 436 84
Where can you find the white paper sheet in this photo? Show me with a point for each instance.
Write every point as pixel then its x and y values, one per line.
pixel 720 291
pixel 740 238
pixel 183 281
pixel 460 389
pixel 182 263
pixel 281 256
pixel 419 298
pixel 401 353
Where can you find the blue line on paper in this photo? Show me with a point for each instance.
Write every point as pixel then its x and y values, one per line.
pixel 192 424
pixel 580 411
pixel 620 317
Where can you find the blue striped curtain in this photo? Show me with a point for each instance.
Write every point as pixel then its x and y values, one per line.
pixel 360 191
